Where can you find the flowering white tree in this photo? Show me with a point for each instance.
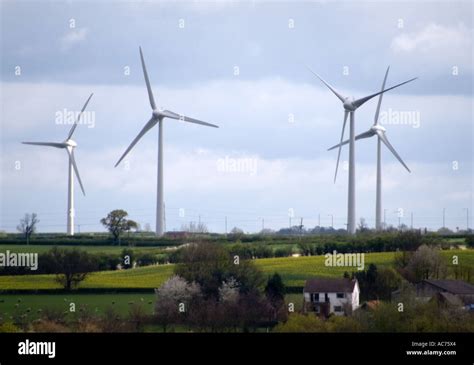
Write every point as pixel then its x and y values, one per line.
pixel 177 289
pixel 229 291
pixel 170 296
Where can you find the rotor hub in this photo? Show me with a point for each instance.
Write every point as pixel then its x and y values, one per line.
pixel 71 143
pixel 157 114
pixel 349 104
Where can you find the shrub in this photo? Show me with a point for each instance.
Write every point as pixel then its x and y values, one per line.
pixel 283 252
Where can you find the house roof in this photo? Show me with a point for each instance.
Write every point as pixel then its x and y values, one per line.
pixel 452 286
pixel 329 286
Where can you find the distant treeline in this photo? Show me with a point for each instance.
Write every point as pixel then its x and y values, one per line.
pixel 257 247
pixel 384 241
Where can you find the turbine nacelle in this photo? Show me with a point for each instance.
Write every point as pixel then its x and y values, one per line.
pixel 348 104
pixel 157 114
pixel 376 128
pixel 70 143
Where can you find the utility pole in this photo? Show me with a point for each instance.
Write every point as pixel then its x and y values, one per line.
pixel 385 219
pixel 263 224
pixel 332 220
pixel 411 220
pixel 319 220
pixel 290 222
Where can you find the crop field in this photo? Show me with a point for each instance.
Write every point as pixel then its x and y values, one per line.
pixel 294 270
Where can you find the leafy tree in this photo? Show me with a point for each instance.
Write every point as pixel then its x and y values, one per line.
pixel 27 225
pixel 70 266
pixel 210 265
pixel 237 230
pixel 275 289
pixel 116 223
pixel 470 240
pixel 426 263
pixel 275 293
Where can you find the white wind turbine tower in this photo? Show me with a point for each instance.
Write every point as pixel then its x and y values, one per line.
pixel 350 105
pixel 379 131
pixel 69 145
pixel 157 118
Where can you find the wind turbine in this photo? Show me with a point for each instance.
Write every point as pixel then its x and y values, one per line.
pixel 69 145
pixel 157 117
pixel 379 131
pixel 350 105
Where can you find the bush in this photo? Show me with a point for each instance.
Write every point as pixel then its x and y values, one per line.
pixel 470 241
pixel 146 259
pixel 107 262
pixel 8 327
pixel 283 252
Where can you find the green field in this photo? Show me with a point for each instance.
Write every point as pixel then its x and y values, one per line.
pixel 35 304
pixel 294 270
pixel 91 249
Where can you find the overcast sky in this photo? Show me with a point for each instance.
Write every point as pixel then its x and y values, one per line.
pixel 240 65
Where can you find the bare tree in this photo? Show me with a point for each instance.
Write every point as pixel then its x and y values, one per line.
pixel 194 227
pixel 27 225
pixel 363 225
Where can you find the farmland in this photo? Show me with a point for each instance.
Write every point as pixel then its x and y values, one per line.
pixel 35 304
pixel 294 271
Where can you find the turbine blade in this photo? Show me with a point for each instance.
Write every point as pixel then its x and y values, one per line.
pixel 376 119
pixel 78 118
pixel 361 101
pixel 384 139
pixel 341 98
pixel 346 113
pixel 339 145
pixel 173 115
pixel 145 129
pixel 367 134
pixel 49 144
pixel 147 80
pixel 76 170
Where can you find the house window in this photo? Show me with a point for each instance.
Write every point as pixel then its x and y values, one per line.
pixel 337 308
pixel 340 295
pixel 314 297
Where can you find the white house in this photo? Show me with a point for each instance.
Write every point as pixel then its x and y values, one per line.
pixel 326 296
